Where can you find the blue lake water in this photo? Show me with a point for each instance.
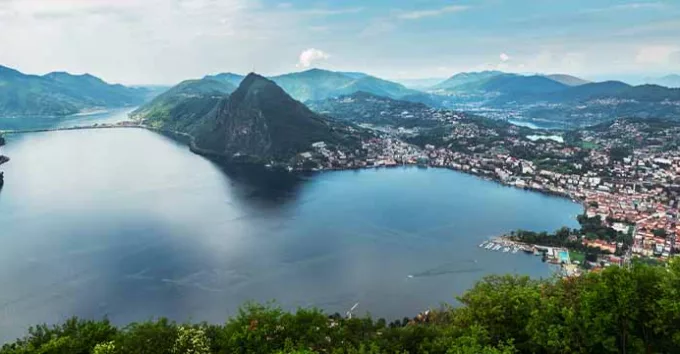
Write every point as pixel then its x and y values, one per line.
pixel 537 124
pixel 132 225
pixel 30 123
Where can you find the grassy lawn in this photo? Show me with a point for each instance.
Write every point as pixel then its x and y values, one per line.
pixel 577 256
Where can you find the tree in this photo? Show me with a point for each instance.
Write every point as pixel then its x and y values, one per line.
pixel 191 340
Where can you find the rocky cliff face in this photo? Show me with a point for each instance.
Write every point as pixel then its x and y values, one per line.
pixel 260 121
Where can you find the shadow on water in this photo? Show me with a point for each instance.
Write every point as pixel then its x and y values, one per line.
pixel 258 183
pixel 254 182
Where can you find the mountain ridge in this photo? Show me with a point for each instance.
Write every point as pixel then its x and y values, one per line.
pixel 183 104
pixel 256 123
pixel 317 84
pixel 60 93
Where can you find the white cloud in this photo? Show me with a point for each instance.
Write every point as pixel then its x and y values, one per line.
pixel 153 41
pixel 310 56
pixel 504 57
pixel 656 54
pixel 416 15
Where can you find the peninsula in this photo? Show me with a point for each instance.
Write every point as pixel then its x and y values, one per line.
pixel 624 171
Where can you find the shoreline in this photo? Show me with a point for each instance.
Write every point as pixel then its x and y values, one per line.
pixel 189 140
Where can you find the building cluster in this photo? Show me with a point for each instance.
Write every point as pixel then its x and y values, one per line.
pixel 626 172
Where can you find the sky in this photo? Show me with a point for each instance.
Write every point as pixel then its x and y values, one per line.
pixel 166 41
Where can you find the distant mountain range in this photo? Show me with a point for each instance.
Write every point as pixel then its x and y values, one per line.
pixel 498 81
pixel 502 88
pixel 256 122
pixel 672 81
pixel 567 79
pixel 60 94
pixel 318 84
pixel 462 79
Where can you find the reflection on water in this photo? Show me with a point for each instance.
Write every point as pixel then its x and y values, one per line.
pixel 130 224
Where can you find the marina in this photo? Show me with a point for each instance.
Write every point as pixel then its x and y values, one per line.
pixel 553 255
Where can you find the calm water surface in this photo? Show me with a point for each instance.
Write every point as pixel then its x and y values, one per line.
pixel 537 124
pixel 130 224
pixel 31 123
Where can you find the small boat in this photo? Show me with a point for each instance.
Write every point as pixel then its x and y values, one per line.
pixel 482 244
pixel 515 249
pixel 489 245
pixel 528 250
pixel 506 249
pixel 496 247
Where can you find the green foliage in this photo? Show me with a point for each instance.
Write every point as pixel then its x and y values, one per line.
pixel 618 310
pixel 191 340
pixel 59 93
pixel 183 105
pixel 105 348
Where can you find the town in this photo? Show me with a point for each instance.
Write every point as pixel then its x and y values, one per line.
pixel 623 172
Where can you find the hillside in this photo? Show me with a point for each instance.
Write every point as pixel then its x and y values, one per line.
pixel 461 79
pixel 183 105
pixel 650 93
pixel 317 84
pixel 259 121
pixel 617 310
pixel 363 107
pixel 583 92
pixel 515 85
pixel 231 78
pixel 59 94
pixel 567 79
pixel 671 81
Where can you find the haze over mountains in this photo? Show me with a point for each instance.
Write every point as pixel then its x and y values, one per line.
pixel 559 87
pixel 60 93
pixel 547 96
pixel 672 81
pixel 317 84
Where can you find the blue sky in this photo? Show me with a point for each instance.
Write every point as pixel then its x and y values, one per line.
pixel 165 41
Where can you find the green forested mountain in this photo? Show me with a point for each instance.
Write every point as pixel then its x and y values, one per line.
pixel 619 310
pixel 318 84
pixel 650 93
pixel 466 78
pixel 183 105
pixel 59 93
pixel 231 78
pixel 260 121
pixel 363 107
pixel 671 81
pixel 517 85
pixel 497 89
pixel 568 80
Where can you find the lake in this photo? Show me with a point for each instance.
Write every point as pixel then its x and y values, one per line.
pixel 129 224
pixel 31 123
pixel 537 124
